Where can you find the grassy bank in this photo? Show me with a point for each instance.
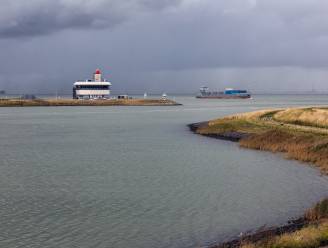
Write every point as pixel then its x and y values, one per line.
pixel 299 133
pixel 314 234
pixel 72 102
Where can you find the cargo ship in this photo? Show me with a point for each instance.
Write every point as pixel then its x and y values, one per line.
pixel 228 93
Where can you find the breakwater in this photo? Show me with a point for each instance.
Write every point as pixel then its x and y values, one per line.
pixel 72 102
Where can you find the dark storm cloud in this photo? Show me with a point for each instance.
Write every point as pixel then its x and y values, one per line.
pixel 234 33
pixel 38 17
pixel 164 43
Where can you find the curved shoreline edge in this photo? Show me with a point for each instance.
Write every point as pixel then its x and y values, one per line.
pixel 253 127
pixel 233 136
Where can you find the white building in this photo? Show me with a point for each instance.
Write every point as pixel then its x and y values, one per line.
pixel 92 89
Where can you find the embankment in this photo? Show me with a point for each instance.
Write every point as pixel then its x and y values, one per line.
pixel 304 138
pixel 299 133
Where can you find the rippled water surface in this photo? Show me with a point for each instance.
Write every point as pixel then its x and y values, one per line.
pixel 137 177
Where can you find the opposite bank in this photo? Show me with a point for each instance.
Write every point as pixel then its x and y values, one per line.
pixel 72 102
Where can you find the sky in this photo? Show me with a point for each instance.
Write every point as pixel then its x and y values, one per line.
pixel 172 46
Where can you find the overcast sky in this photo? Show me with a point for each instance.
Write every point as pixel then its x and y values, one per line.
pixel 164 45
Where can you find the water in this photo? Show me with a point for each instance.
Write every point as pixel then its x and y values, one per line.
pixel 137 177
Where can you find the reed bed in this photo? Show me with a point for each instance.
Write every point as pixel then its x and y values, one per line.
pixel 306 147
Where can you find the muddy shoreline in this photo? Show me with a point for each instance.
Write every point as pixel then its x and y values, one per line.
pixel 230 136
pixel 263 233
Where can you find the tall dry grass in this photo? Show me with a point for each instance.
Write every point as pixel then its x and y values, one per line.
pixel 317 117
pixel 313 236
pixel 318 212
pixel 305 147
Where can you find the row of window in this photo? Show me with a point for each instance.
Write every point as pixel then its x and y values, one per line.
pixel 92 87
pixel 91 96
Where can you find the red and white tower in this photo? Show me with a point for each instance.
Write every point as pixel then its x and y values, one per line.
pixel 97 75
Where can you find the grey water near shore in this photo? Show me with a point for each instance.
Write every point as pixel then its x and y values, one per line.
pixel 137 177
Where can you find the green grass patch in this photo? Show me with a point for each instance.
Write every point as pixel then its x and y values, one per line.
pixel 303 123
pixel 232 125
pixel 269 115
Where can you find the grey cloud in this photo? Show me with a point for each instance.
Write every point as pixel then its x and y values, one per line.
pixel 168 43
pixel 37 17
pixel 235 34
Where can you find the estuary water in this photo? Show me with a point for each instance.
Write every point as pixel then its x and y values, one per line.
pixel 137 177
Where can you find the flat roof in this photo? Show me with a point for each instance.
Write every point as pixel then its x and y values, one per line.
pixel 92 83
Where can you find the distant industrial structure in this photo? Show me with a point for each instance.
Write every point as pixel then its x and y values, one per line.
pixel 92 89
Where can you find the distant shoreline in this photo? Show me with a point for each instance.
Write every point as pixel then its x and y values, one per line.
pixel 73 102
pixel 300 133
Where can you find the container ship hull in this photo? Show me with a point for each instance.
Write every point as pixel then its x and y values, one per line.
pixel 229 93
pixel 225 97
